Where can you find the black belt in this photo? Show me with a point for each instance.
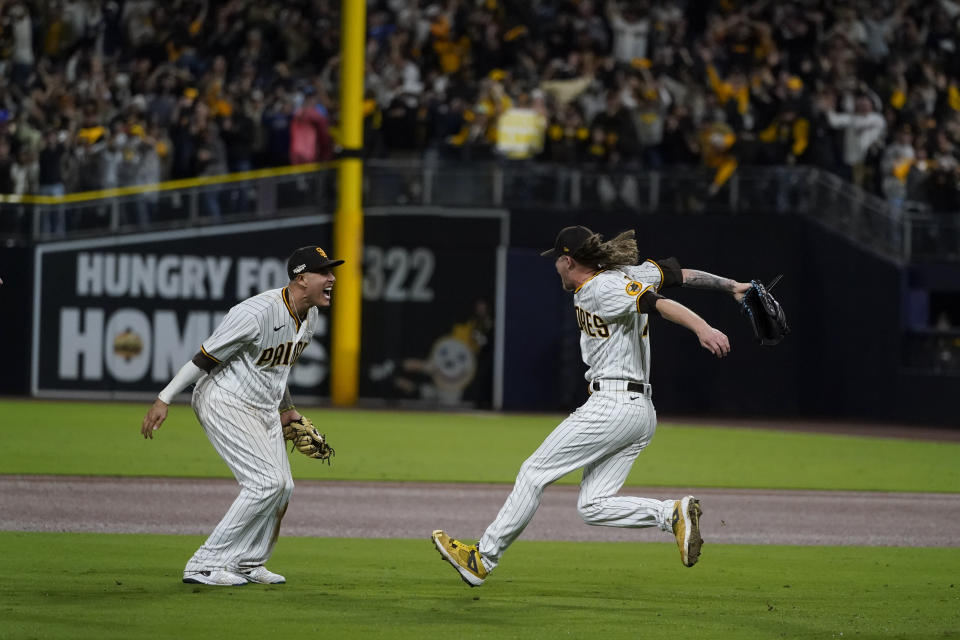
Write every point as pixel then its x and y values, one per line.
pixel 636 387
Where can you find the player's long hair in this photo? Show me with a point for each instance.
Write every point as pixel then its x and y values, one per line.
pixel 618 251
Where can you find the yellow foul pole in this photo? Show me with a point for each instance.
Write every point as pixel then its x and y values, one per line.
pixel 348 222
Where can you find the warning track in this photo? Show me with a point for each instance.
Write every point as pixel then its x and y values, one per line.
pixel 413 510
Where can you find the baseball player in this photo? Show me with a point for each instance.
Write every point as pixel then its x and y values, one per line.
pixel 613 297
pixel 242 401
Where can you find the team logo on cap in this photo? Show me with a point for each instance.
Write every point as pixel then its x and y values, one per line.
pixel 322 253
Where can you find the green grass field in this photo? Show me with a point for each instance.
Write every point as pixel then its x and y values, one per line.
pixel 104 439
pixel 127 586
pixel 60 585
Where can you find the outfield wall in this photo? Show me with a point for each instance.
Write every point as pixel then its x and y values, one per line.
pixel 116 317
pixel 845 305
pixel 843 359
pixel 16 315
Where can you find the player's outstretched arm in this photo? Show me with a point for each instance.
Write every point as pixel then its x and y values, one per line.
pixel 696 279
pixel 714 341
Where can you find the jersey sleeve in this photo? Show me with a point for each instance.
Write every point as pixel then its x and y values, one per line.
pixel 238 327
pixel 618 296
pixel 663 273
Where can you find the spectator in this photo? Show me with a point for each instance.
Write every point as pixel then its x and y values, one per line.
pixel 716 143
pixel 442 76
pixel 51 161
pixel 613 129
pixel 210 160
pixel 631 28
pixel 309 136
pixel 521 128
pixel 19 23
pixel 520 138
pixel 862 129
pixel 183 135
pixel 680 146
pixel 276 123
pixel 163 148
pixel 6 166
pixel 24 173
pixel 87 155
pixel 787 137
pixel 825 146
pixel 567 137
pixel 144 149
pixel 652 103
pixel 50 180
pixel 162 100
pixel 237 131
pixel 110 159
pixel 400 122
pixel 895 167
pixel 918 174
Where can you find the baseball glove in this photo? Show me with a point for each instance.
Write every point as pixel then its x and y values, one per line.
pixel 767 319
pixel 307 440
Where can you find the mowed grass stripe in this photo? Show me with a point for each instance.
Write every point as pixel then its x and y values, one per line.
pixel 103 439
pixel 128 586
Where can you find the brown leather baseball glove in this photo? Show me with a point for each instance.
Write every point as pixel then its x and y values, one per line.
pixel 307 440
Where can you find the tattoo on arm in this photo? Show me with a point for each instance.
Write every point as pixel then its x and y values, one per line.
pixel 696 279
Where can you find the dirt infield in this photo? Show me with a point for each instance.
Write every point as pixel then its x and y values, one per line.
pixel 412 510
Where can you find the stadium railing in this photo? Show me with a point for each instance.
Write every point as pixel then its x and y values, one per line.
pixel 901 234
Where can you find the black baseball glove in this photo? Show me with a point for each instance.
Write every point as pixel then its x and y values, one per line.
pixel 767 319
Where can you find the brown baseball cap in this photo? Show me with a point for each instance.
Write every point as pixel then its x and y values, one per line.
pixel 311 258
pixel 569 241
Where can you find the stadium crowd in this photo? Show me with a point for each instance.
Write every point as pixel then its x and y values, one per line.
pixel 96 94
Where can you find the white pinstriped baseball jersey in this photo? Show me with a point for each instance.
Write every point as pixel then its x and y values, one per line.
pixel 613 331
pixel 607 433
pixel 237 404
pixel 255 346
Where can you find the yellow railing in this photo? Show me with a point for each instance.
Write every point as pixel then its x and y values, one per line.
pixel 170 185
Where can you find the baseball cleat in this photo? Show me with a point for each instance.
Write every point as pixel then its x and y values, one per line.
pixel 262 575
pixel 465 558
pixel 686 528
pixel 216 578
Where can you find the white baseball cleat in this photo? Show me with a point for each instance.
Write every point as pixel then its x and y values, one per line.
pixel 262 575
pixel 686 528
pixel 215 577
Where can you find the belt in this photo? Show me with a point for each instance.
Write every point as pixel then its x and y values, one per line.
pixel 622 385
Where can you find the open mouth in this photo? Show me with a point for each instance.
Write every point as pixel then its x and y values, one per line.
pixel 327 292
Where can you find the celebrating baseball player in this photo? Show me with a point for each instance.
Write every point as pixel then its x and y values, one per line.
pixel 244 405
pixel 613 297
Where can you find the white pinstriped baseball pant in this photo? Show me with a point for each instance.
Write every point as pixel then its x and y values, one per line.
pixel 250 441
pixel 604 437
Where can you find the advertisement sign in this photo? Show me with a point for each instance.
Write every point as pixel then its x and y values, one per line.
pixel 119 316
